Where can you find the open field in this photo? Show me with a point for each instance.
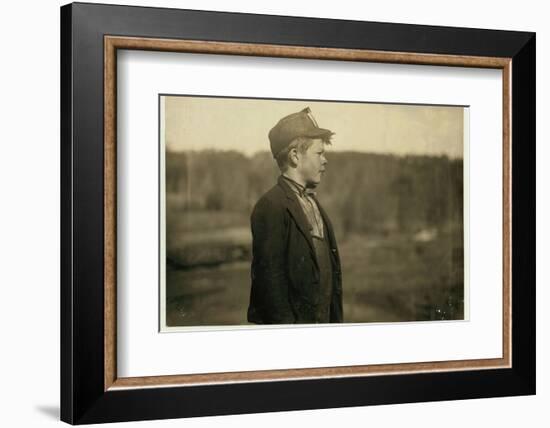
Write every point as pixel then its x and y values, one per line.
pixel 384 280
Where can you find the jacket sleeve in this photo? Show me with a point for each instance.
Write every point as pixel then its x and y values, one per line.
pixel 269 224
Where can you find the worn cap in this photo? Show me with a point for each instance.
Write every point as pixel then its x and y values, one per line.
pixel 301 124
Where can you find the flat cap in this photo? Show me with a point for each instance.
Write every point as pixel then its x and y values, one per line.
pixel 300 124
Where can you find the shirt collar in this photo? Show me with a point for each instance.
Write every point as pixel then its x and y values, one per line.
pixel 298 188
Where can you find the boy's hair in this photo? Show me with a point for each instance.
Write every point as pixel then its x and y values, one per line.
pixel 301 144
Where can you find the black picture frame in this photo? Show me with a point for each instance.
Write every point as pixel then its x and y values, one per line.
pixel 83 395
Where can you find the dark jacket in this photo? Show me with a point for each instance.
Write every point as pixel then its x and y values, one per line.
pixel 285 273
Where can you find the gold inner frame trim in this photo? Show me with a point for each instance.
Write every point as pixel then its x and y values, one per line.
pixel 112 43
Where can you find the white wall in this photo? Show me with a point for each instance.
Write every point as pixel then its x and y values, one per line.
pixel 29 218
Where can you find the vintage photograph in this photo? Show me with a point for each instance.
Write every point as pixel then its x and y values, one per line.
pixel 279 211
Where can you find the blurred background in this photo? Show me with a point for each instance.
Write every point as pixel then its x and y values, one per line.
pixel 393 189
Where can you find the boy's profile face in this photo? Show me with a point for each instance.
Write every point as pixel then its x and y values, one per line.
pixel 311 163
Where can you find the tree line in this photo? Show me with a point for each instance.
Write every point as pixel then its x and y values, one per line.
pixel 362 192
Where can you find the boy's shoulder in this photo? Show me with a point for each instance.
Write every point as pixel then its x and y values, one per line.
pixel 273 200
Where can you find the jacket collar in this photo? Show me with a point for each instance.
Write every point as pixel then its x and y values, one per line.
pixel 286 188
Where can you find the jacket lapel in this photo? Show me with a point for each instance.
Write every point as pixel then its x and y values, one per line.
pixel 297 212
pixel 330 232
pixel 327 223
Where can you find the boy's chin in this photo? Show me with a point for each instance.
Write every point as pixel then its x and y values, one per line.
pixel 313 183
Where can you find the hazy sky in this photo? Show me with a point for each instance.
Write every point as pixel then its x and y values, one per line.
pixel 195 123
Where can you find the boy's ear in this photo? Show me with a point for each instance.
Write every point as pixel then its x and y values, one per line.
pixel 293 155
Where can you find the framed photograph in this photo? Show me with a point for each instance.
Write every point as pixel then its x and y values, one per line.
pixel 266 213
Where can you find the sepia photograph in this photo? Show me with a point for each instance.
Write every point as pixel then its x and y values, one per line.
pixel 290 211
